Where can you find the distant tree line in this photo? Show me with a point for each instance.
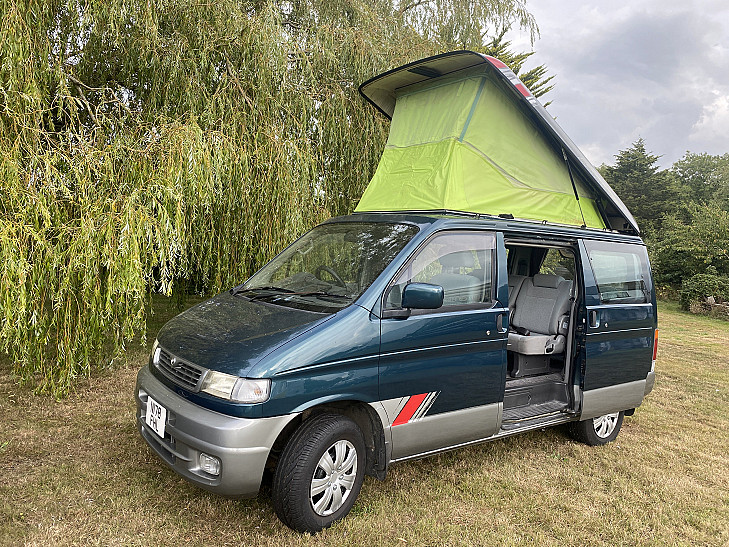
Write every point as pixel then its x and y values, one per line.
pixel 152 146
pixel 683 212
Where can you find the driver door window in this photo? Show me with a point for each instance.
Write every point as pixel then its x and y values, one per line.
pixel 460 262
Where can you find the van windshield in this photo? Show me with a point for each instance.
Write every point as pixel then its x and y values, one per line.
pixel 329 267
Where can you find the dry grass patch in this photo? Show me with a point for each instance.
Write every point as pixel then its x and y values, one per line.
pixel 76 472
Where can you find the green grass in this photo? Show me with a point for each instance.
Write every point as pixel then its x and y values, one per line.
pixel 76 472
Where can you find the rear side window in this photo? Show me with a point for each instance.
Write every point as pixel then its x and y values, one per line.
pixel 621 272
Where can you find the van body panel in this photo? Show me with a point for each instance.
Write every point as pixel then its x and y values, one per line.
pixel 614 398
pixel 616 355
pixel 337 360
pixel 447 361
pixel 233 332
pixel 619 322
pixel 439 431
pixel 450 353
pixel 352 334
pixel 458 359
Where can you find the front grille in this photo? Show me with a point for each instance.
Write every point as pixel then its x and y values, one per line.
pixel 181 372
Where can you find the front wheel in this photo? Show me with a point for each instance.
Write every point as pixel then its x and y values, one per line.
pixel 597 431
pixel 320 473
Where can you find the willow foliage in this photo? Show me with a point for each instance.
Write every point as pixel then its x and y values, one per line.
pixel 149 144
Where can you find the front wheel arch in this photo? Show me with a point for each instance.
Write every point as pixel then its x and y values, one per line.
pixel 361 413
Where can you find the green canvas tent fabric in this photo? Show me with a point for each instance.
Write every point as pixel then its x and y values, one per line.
pixel 463 142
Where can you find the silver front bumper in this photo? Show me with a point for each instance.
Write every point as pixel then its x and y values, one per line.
pixel 242 445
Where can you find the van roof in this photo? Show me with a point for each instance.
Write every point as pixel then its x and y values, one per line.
pixel 456 220
pixel 467 135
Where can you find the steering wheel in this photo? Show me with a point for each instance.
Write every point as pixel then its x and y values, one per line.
pixel 331 272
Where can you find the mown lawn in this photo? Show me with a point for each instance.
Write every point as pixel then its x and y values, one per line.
pixel 76 472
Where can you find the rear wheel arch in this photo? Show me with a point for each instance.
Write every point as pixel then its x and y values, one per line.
pixel 597 431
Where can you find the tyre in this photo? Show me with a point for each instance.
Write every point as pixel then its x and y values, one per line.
pixel 597 431
pixel 319 474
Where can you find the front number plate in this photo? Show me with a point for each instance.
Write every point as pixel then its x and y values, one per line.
pixel 156 416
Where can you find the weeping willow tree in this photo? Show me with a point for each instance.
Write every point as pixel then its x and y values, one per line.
pixel 147 145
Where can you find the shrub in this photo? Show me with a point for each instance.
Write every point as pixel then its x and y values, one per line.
pixel 697 289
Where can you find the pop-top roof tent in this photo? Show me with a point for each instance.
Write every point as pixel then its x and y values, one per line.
pixel 468 136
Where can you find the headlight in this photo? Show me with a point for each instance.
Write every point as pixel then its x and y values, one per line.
pixel 233 388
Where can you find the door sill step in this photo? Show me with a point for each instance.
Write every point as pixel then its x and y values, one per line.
pixel 534 421
pixel 516 416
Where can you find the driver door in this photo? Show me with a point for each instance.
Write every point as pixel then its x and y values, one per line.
pixel 442 371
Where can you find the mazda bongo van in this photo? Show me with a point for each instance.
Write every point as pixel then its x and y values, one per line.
pixel 489 283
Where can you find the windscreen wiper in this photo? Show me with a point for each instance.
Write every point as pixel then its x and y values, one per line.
pixel 287 292
pixel 270 288
pixel 320 293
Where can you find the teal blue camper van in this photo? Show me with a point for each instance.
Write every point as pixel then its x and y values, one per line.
pixel 490 282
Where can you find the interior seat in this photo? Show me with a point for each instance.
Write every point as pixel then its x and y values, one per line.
pixel 540 317
pixel 515 284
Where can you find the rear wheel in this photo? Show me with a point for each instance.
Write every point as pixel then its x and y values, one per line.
pixel 597 431
pixel 320 473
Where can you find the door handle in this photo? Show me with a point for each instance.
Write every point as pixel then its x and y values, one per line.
pixel 500 323
pixel 594 319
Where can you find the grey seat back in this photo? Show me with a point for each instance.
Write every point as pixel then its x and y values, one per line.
pixel 458 288
pixel 515 284
pixel 542 300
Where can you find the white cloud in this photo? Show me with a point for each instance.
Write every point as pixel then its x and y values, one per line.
pixel 655 69
pixel 713 125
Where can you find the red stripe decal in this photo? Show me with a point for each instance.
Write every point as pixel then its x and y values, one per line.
pixel 409 409
pixel 524 90
pixel 494 61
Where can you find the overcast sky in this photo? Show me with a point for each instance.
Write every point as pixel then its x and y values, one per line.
pixel 624 69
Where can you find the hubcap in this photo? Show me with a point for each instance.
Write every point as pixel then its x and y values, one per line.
pixel 333 478
pixel 605 425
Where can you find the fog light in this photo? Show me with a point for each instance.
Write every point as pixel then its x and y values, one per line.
pixel 209 464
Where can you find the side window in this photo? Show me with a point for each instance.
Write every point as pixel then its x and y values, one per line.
pixel 460 262
pixel 621 272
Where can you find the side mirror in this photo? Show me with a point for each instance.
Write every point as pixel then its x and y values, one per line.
pixel 422 296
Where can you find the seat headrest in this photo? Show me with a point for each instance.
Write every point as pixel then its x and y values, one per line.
pixel 547 280
pixel 460 259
